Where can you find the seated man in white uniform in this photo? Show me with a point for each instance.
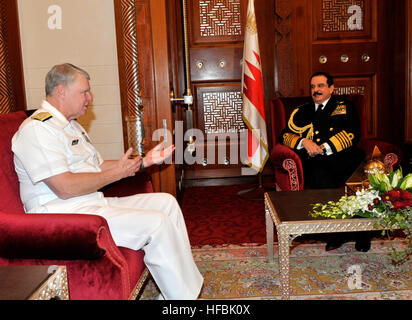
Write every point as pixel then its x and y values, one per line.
pixel 60 172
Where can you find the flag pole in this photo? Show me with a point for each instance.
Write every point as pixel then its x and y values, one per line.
pixel 256 193
pixel 253 112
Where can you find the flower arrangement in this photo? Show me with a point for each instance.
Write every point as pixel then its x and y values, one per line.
pixel 388 200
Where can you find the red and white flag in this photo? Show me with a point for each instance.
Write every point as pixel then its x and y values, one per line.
pixel 253 97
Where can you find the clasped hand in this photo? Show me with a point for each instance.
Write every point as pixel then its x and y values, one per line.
pixel 312 148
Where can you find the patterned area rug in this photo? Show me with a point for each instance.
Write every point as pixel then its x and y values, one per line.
pixel 242 272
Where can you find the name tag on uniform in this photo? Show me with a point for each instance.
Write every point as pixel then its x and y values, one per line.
pixel 75 142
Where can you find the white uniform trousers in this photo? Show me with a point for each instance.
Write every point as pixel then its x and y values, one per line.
pixel 153 222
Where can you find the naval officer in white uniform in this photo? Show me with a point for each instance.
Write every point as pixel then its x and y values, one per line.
pixel 60 171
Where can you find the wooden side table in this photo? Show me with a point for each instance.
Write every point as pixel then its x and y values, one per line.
pixel 33 283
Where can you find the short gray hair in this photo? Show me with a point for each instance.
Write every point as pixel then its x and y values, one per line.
pixel 62 74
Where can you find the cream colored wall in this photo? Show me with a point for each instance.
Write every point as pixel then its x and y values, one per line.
pixel 87 38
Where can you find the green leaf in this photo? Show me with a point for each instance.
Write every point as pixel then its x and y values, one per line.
pixel 373 181
pixel 383 187
pixel 406 182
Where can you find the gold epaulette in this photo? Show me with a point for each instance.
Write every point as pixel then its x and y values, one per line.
pixel 42 116
pixel 342 140
pixel 290 140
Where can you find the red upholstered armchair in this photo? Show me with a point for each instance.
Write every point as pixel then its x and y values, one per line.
pixel 287 165
pixel 96 268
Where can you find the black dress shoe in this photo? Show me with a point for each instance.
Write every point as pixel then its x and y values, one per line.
pixel 334 244
pixel 363 245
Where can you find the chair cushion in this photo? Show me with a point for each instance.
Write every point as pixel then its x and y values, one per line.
pixel 9 185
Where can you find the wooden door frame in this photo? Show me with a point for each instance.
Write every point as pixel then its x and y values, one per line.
pixel 163 176
pixel 162 83
pixel 11 58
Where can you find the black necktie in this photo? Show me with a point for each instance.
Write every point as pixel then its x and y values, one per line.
pixel 318 111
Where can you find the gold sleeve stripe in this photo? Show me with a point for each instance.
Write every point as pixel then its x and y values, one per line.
pixel 290 140
pixel 342 140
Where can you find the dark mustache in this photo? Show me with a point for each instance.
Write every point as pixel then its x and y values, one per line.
pixel 317 94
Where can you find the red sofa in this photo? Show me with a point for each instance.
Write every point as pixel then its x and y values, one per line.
pixel 287 164
pixel 96 268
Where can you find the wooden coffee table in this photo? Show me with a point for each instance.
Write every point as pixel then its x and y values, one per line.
pixel 289 211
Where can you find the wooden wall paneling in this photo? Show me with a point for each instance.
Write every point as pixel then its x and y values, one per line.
pixel 142 31
pixel 207 64
pixel 284 75
pixel 265 18
pixel 354 53
pixel 216 50
pixel 365 86
pixel 177 83
pixel 292 51
pixel 220 21
pixel 391 71
pixel 408 118
pixel 306 30
pixel 408 91
pixel 162 84
pixel 344 19
pixel 12 91
pixel 345 44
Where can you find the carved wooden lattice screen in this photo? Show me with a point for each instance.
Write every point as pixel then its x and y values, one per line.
pixel 216 50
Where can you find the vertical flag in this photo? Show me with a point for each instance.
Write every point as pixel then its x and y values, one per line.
pixel 253 98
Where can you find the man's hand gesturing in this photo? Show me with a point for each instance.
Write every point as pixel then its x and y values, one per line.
pixel 128 165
